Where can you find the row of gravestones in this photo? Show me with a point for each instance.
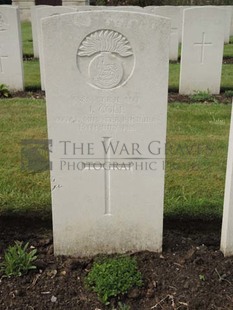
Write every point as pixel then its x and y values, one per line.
pixel 106 76
pixel 175 13
pixel 202 48
pixel 204 31
pixel 106 91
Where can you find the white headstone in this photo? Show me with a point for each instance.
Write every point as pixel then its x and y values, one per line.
pixel 43 13
pixel 231 31
pixel 34 9
pixel 106 85
pixel 132 8
pixel 75 2
pixel 108 7
pixel 182 8
pixel 227 222
pixel 228 16
pixel 11 58
pixel 174 13
pixel 24 8
pixel 202 50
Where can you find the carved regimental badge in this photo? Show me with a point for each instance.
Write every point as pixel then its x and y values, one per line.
pixel 106 59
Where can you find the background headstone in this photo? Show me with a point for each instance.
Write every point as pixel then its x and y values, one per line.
pixel 114 8
pixel 11 58
pixel 24 8
pixel 202 50
pixel 34 9
pixel 227 222
pixel 107 81
pixel 43 13
pixel 182 8
pixel 231 31
pixel 228 16
pixel 174 13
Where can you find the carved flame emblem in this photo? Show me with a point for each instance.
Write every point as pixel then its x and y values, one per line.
pixel 106 48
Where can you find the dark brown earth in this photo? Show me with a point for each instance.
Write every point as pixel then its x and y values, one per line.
pixel 221 98
pixel 172 97
pixel 36 94
pixel 228 60
pixel 191 273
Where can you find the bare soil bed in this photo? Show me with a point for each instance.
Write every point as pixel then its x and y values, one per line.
pixel 172 97
pixel 191 273
pixel 228 60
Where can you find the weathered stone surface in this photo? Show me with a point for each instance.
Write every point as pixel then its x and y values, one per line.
pixel 174 13
pixel 106 92
pixel 227 223
pixel 43 13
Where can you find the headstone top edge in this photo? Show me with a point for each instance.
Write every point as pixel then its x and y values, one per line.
pixel 107 12
pixel 11 7
pixel 206 7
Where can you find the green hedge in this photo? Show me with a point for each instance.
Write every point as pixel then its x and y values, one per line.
pixel 5 2
pixel 197 2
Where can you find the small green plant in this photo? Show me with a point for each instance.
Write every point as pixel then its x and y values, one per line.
pixel 201 96
pixel 201 277
pixel 229 93
pixel 4 91
pixel 122 306
pixel 113 276
pixel 18 260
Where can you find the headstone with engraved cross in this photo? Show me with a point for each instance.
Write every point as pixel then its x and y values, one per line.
pixel 106 91
pixel 11 58
pixel 202 50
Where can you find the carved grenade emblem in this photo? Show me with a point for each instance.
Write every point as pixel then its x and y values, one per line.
pixel 105 50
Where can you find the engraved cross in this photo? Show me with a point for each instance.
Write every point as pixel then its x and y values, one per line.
pixel 203 44
pixel 107 175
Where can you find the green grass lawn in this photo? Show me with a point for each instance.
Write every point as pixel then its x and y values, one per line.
pixel 226 80
pixel 32 75
pixel 197 140
pixel 21 191
pixel 27 38
pixel 196 159
pixel 195 167
pixel 228 50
